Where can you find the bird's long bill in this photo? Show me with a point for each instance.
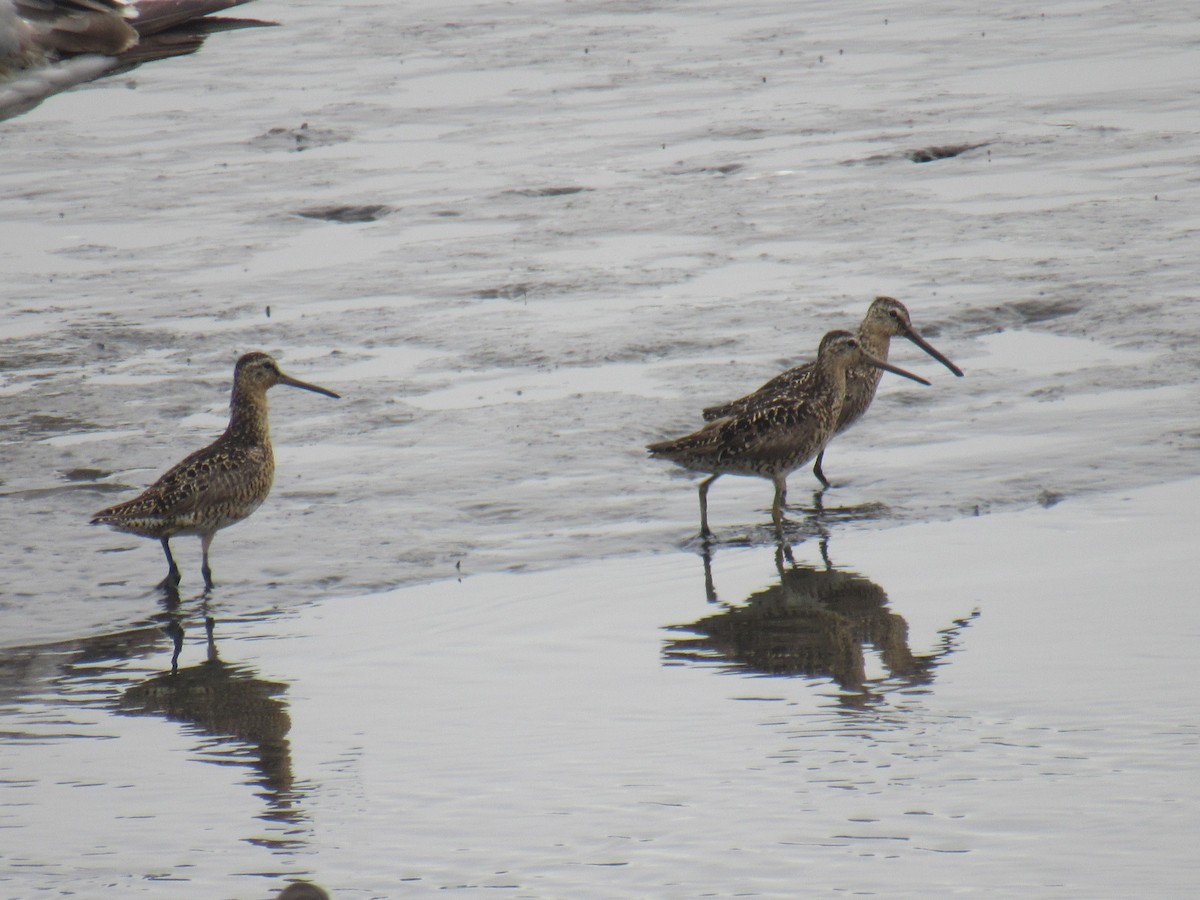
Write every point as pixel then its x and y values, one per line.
pixel 296 382
pixel 880 364
pixel 929 348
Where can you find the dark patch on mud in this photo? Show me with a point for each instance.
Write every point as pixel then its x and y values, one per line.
pixel 1017 314
pixel 515 291
pixel 664 348
pixel 297 140
pixel 1032 311
pixel 38 493
pixel 546 191
pixel 521 290
pixel 41 425
pixel 85 474
pixel 921 155
pixel 944 151
pixel 347 215
pixel 1048 498
pixel 67 352
pixel 912 399
pixel 727 169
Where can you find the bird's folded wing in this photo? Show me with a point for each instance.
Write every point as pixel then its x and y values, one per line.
pixel 771 388
pixel 209 476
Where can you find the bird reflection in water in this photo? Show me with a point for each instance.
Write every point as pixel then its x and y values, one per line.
pixel 813 622
pixel 242 713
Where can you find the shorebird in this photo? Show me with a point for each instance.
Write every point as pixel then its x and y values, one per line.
pixel 887 318
pixel 39 32
pixel 48 46
pixel 303 890
pixel 219 485
pixel 771 434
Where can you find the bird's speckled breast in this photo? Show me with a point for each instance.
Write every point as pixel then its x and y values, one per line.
pixel 862 381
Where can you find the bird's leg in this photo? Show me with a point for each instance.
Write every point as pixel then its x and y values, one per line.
pixel 704 485
pixel 205 541
pixel 780 499
pixel 817 469
pixel 173 577
pixel 710 588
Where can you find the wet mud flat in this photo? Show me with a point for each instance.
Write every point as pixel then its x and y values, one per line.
pixel 523 242
pixel 562 254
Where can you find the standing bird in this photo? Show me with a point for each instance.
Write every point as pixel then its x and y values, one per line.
pixel 772 434
pixel 887 318
pixel 219 485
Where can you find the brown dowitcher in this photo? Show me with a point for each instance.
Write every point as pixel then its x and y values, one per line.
pixel 887 318
pixel 220 484
pixel 772 434
pixel 302 890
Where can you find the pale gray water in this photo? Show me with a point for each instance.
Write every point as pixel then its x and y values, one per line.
pixel 583 223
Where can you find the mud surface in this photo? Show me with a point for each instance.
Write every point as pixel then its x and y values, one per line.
pixel 524 240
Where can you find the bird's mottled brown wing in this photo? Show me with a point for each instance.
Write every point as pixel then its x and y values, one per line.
pixel 772 428
pixel 217 474
pixel 781 383
pixel 211 476
pixel 80 26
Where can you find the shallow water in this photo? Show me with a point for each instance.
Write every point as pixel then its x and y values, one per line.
pixel 523 241
pixel 943 716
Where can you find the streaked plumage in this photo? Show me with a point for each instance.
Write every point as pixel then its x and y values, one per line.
pixel 219 485
pixel 37 32
pixel 303 890
pixel 48 46
pixel 887 318
pixel 771 434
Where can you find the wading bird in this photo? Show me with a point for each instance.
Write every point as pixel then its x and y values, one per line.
pixel 219 485
pixel 770 435
pixel 887 318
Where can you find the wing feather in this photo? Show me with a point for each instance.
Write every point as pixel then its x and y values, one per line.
pixel 783 383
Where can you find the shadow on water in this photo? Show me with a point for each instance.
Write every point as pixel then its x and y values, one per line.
pixel 814 622
pixel 239 718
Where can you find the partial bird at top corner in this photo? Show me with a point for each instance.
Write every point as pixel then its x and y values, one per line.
pixel 49 46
